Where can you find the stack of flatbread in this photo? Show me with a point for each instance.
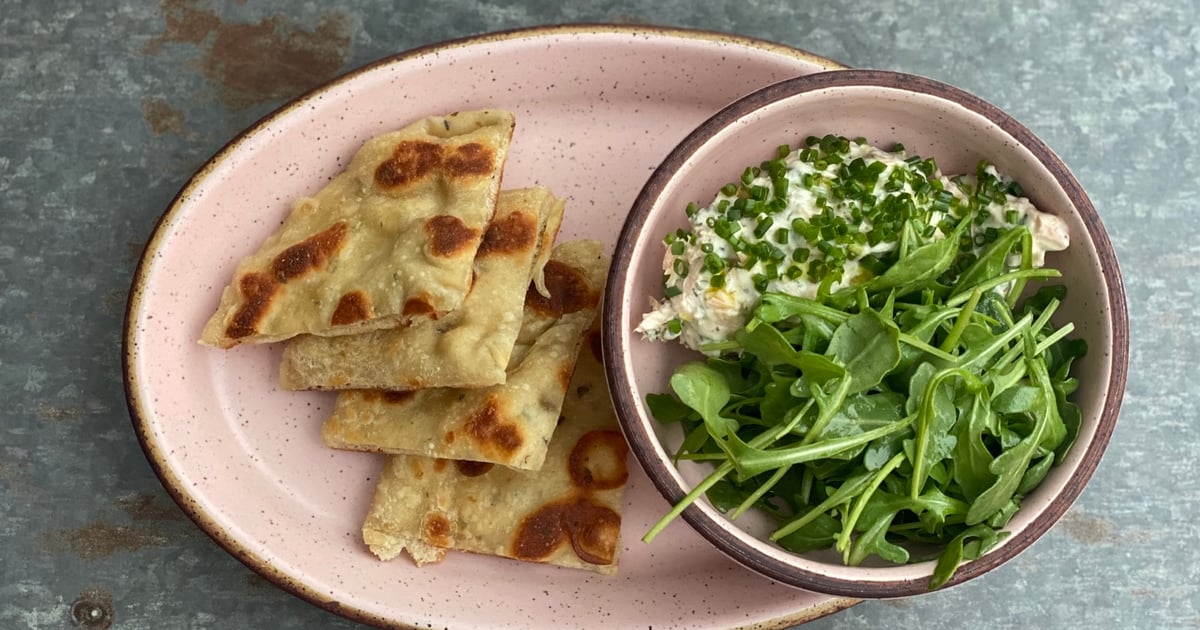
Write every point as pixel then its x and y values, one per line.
pixel 451 324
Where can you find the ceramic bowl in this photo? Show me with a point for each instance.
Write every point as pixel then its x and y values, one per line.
pixel 930 119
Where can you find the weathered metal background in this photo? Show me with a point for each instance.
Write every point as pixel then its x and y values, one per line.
pixel 107 107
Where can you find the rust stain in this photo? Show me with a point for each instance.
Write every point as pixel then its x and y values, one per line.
pixel 114 302
pixel 101 540
pixel 251 63
pixel 1088 530
pixel 93 609
pixel 133 251
pixel 629 18
pixel 14 475
pixel 52 412
pixel 256 581
pixel 145 507
pixel 184 23
pixel 161 117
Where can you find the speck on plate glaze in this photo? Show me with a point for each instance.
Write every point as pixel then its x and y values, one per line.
pixel 597 108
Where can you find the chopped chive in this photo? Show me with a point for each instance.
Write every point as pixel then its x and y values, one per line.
pixel 764 224
pixel 713 263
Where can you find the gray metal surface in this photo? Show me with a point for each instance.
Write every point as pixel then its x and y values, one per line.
pixel 107 107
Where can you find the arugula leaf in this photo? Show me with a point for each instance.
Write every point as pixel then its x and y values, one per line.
pixel 956 551
pixel 920 268
pixel 666 408
pixel 972 460
pixel 868 346
pixel 936 416
pixel 817 533
pixel 991 261
pixel 912 412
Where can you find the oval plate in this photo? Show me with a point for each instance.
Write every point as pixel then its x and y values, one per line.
pixel 597 108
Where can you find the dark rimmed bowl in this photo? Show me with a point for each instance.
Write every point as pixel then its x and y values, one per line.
pixel 930 119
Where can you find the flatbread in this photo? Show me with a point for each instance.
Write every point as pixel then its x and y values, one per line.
pixel 469 347
pixel 510 423
pixel 566 514
pixel 389 240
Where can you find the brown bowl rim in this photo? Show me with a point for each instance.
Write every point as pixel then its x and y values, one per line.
pixel 642 444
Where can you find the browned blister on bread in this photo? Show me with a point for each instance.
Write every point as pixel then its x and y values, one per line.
pixel 468 347
pixel 388 241
pixel 567 514
pixel 510 423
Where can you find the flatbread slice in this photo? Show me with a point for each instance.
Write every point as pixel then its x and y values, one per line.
pixel 566 514
pixel 470 346
pixel 510 423
pixel 390 239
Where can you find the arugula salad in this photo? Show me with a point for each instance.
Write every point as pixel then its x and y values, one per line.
pixel 871 377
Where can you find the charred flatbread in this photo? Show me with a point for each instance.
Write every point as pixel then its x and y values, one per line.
pixel 469 347
pixel 510 423
pixel 567 514
pixel 389 240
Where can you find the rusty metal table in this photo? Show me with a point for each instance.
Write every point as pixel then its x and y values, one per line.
pixel 107 107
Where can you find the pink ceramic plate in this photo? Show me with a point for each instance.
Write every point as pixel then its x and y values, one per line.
pixel 597 108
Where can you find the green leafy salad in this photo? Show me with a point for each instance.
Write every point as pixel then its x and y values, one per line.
pixel 871 376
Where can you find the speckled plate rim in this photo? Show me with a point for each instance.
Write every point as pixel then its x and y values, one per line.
pixel 616 357
pixel 134 396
